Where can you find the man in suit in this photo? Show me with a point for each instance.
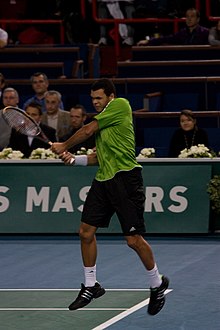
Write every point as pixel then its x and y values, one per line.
pixel 54 116
pixel 27 144
pixel 78 117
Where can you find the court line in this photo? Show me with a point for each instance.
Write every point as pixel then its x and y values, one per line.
pixel 125 314
pixel 58 309
pixel 71 289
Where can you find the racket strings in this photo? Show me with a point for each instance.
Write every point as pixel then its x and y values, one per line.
pixel 21 123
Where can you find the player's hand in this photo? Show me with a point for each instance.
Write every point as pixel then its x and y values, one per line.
pixel 92 159
pixel 58 147
pixel 67 158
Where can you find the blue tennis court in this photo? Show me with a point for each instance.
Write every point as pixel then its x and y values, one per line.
pixel 40 276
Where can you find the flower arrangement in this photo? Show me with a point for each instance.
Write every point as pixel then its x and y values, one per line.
pixel 199 151
pixel 8 153
pixel 41 153
pixel 146 153
pixel 214 193
pixel 83 151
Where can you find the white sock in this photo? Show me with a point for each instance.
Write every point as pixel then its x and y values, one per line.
pixel 90 275
pixel 155 278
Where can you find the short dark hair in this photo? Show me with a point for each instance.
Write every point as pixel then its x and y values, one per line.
pixel 79 106
pixel 106 84
pixel 188 113
pixel 37 74
pixel 34 105
pixel 196 10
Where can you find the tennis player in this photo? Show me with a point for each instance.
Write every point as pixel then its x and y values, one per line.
pixel 117 188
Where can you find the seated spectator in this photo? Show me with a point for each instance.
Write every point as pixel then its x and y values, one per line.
pixel 116 9
pixel 26 144
pixel 192 34
pixel 3 38
pixel 78 117
pixel 54 116
pixel 10 97
pixel 214 35
pixel 187 135
pixel 40 85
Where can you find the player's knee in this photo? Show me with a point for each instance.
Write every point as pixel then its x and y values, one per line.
pixel 85 235
pixel 132 241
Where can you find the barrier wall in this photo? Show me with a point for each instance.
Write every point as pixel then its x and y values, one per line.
pixel 48 197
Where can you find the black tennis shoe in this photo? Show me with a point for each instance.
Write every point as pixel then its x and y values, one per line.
pixel 157 297
pixel 86 295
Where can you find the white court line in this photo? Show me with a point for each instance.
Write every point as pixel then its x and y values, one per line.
pixel 70 290
pixel 58 309
pixel 125 314
pixel 102 326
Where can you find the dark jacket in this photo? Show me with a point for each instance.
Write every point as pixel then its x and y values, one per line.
pixel 182 139
pixel 199 36
pixel 20 141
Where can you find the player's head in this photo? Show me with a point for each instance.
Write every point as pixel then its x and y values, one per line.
pixel 102 92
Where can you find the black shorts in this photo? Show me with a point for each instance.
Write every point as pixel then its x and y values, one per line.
pixel 123 195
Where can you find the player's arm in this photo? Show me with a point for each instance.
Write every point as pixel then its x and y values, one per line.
pixel 80 136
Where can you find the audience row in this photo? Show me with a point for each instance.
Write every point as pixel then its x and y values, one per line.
pixel 192 34
pixel 58 124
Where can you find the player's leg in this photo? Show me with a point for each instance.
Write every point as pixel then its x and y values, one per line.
pixel 158 284
pixel 95 210
pixel 129 201
pixel 91 289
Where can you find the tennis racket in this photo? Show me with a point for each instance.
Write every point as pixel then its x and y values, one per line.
pixel 23 123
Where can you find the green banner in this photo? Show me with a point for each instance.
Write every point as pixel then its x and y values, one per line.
pixel 49 197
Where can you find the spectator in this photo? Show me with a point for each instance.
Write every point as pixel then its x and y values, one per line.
pixel 26 144
pixel 116 9
pixel 187 135
pixel 192 34
pixel 54 116
pixel 78 117
pixel 10 97
pixel 214 35
pixel 3 38
pixel 40 84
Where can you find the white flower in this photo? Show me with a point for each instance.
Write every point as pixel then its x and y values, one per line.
pixel 83 151
pixel 41 153
pixel 8 153
pixel 146 153
pixel 199 151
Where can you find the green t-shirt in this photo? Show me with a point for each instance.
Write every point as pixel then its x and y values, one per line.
pixel 115 142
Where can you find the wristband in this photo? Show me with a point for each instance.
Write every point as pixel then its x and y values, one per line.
pixel 81 160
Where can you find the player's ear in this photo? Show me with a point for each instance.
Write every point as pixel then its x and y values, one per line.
pixel 112 96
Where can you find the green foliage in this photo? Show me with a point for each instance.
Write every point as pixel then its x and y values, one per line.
pixel 214 193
